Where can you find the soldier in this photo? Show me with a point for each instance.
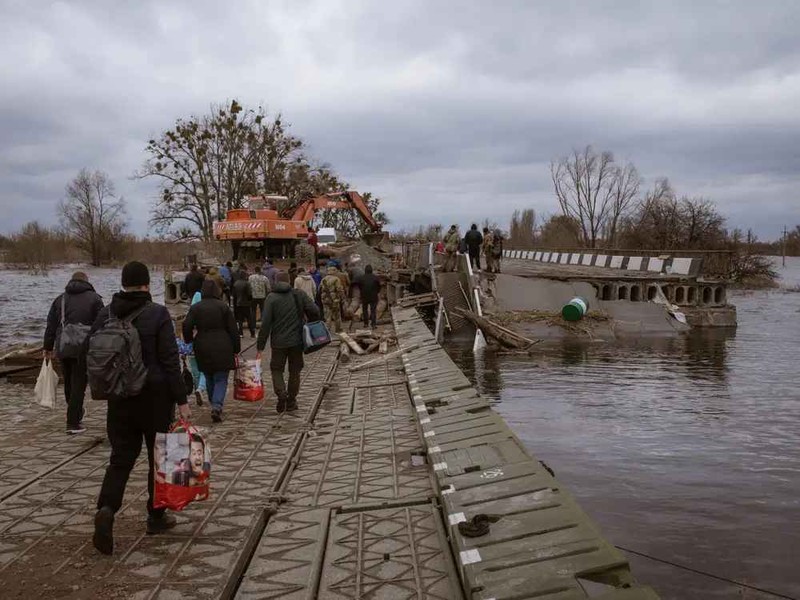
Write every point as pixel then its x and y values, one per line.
pixel 488 249
pixel 332 294
pixel 451 241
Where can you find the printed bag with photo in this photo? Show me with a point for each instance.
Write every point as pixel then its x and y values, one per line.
pixel 182 467
pixel 247 383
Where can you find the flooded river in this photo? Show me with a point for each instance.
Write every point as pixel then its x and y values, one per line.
pixel 686 449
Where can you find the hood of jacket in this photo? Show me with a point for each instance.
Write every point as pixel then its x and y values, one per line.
pixel 281 287
pixel 77 286
pixel 124 303
pixel 305 276
pixel 210 289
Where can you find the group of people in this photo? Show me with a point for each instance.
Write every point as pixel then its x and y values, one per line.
pixel 285 300
pixel 490 243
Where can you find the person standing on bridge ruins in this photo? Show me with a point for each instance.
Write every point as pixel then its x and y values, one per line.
pixel 129 420
pixel 451 242
pixel 79 304
pixel 331 292
pixel 488 249
pixel 305 283
pixel 473 240
pixel 270 271
pixel 370 288
pixel 211 327
pixel 284 313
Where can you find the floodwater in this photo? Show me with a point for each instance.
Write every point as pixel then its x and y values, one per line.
pixel 686 450
pixel 25 298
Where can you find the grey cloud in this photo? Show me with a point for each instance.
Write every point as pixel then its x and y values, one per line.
pixel 442 109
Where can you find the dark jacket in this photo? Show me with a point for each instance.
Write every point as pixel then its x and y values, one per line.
pixel 159 346
pixel 193 283
pixel 370 286
pixel 241 292
pixel 281 320
pixel 212 328
pixel 473 239
pixel 82 305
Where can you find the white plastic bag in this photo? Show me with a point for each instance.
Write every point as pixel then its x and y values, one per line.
pixel 46 385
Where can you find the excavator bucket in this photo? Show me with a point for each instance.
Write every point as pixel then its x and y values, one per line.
pixel 376 239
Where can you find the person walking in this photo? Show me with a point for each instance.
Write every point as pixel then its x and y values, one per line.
pixel 451 243
pixel 370 288
pixel 213 275
pixel 193 282
pixel 79 305
pixel 305 283
pixel 259 289
pixel 270 271
pixel 497 249
pixel 331 292
pixel 242 303
pixel 292 273
pixel 488 249
pixel 226 273
pixel 131 420
pixel 210 326
pixel 473 240
pixel 284 313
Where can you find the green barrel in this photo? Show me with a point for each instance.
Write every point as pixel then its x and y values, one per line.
pixel 574 309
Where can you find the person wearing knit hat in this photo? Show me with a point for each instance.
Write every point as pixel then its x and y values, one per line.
pixel 78 306
pixel 133 420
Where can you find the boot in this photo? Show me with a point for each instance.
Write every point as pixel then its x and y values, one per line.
pixel 103 538
pixel 291 405
pixel 160 524
pixel 281 406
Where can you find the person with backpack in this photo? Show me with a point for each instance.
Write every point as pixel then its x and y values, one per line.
pixel 285 312
pixel 68 323
pixel 370 288
pixel 259 290
pixel 488 249
pixel 452 240
pixel 211 327
pixel 226 273
pixel 133 363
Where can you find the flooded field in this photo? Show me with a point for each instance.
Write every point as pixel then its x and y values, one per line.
pixel 686 450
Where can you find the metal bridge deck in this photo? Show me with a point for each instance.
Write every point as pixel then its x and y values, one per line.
pixel 358 495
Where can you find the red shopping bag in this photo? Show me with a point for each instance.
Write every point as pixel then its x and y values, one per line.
pixel 182 467
pixel 247 384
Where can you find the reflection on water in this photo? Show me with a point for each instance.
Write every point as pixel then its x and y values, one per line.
pixel 687 449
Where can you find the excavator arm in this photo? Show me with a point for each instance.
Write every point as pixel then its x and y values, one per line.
pixel 348 200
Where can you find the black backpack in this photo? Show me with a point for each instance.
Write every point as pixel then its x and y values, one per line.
pixel 114 362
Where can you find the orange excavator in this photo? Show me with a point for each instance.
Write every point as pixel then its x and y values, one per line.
pixel 260 231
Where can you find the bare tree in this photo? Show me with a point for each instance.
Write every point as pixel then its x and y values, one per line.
pixel 594 191
pixel 522 230
pixel 92 215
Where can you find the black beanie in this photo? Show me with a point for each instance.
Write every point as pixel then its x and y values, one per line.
pixel 135 274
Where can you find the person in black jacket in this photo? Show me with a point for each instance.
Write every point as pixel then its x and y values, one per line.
pixel 129 420
pixel 193 282
pixel 370 287
pixel 473 240
pixel 282 322
pixel 211 327
pixel 242 302
pixel 81 305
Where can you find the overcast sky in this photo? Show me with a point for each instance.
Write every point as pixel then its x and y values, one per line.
pixel 449 111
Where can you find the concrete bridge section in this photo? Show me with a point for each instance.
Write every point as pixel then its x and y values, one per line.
pixel 357 495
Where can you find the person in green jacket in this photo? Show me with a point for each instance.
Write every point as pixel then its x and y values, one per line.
pixel 285 310
pixel 451 241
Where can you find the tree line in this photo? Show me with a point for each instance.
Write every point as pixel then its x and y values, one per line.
pixel 603 205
